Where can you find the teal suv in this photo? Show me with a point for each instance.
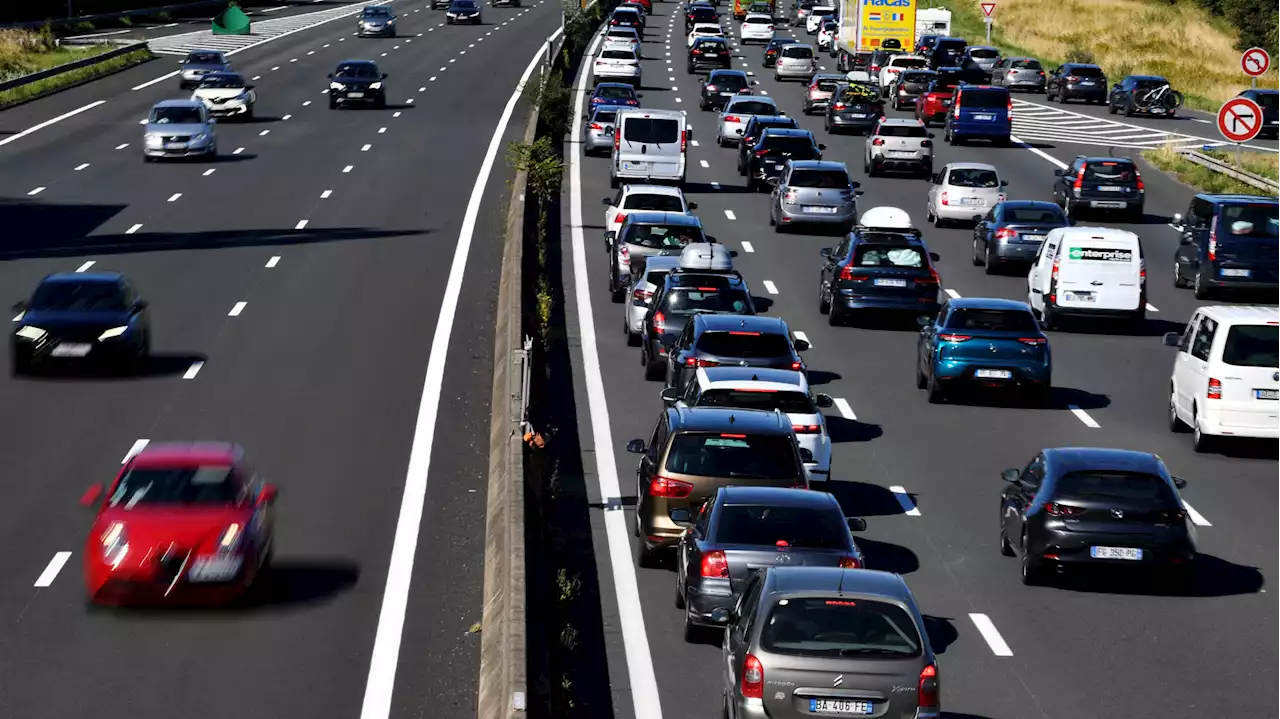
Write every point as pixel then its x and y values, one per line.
pixel 984 344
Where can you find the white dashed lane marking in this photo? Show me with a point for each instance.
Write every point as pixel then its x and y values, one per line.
pixel 704 163
pixel 730 215
pixel 952 293
pixel 302 225
pixel 137 447
pixel 842 405
pixel 81 166
pixel 770 287
pixel 275 260
pixel 174 197
pixel 802 337
pixel 909 507
pixel 133 229
pixel 325 195
pixel 237 309
pixel 1196 517
pixel 207 172
pixel 122 145
pixel 85 266
pixel 989 632
pixel 51 571
pixel 1083 416
pixel 193 370
pixel 36 191
pixel 746 247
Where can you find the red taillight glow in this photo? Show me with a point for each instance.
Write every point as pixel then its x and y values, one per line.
pixel 928 689
pixel 1054 277
pixel 839 106
pixel 1141 186
pixel 1213 239
pixel 949 337
pixel 715 565
pixel 597 126
pixel 620 218
pixel 943 199
pixel 1215 389
pixel 849 563
pixel 806 428
pixel 1061 510
pixel 762 153
pixel 1079 181
pixel 745 334
pixel 932 279
pixel 642 295
pixel 710 88
pixel 877 141
pixel 666 487
pixel 848 274
pixel 797 366
pixel 1009 110
pixel 1033 340
pixel 752 678
pixel 692 362
pixel 1004 233
pixel 732 118
pixel 659 322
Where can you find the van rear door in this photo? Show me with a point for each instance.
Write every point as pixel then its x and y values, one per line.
pixel 651 146
pixel 1099 272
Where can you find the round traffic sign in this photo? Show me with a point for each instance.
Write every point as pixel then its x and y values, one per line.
pixel 1240 119
pixel 1255 62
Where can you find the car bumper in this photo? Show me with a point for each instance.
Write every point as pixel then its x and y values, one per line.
pixel 795 74
pixel 860 123
pixel 1240 419
pixel 631 78
pixel 1162 547
pixel 757 37
pixel 1084 311
pixel 1085 93
pixel 1223 282
pixel 1036 85
pixel 472 20
pixel 796 215
pixel 1029 375
pixel 961 212
pixel 199 151
pixel 1003 252
pixel 705 597
pixel 1115 204
pixel 109 350
pixel 229 110
pixel 907 100
pixel 369 97
pixel 144 586
pixel 380 32
pixel 717 64
pixel 895 304
pixel 598 142
pixel 983 129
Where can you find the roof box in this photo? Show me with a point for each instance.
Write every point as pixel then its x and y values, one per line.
pixel 707 256
pixel 886 218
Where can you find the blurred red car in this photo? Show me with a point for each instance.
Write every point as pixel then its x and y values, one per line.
pixel 181 522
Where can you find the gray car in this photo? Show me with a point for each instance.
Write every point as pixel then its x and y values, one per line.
pixel 825 641
pixel 737 112
pixel 814 191
pixel 646 280
pixel 980 59
pixel 598 129
pixel 1019 73
pixel 795 62
pixel 376 21
pixel 179 128
pixel 199 63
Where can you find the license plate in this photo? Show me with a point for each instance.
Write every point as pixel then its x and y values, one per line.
pixel 858 115
pixel 1266 394
pixel 635 165
pixel 992 374
pixel 1106 203
pixel 901 153
pixel 819 210
pixel 1087 83
pixel 355 94
pixel 984 117
pixel 71 350
pixel 214 569
pixel 840 706
pixel 891 283
pixel 1130 553
pixel 972 201
pixel 1157 111
pixel 711 54
pixel 1235 273
pixel 175 145
pixel 1110 188
pixel 1033 238
pixel 1079 296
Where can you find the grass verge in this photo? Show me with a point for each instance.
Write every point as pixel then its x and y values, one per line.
pixel 1206 180
pixel 1177 40
pixel 32 90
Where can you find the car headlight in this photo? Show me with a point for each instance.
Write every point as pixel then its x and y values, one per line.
pixel 152 139
pixel 336 86
pixel 113 332
pixel 230 539
pixel 115 544
pixel 392 21
pixel 200 137
pixel 31 333
pixel 375 86
pixel 451 14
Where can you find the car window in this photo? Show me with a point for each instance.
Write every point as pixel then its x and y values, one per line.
pixel 1079 71
pixel 860 92
pixel 78 296
pixel 615 93
pixel 205 58
pixel 1149 83
pixel 984 53
pixel 356 70
pixel 901 131
pixel 909 62
pixel 888 256
pixel 1109 484
pixel 759 21
pixel 917 77
pixel 176 116
pixel 662 236
pixel 797 51
pixel 1248 221
pixel 687 300
pixel 653 203
pixel 1252 346
pixel 748 603
pixel 971 318
pixel 1267 100
pixel 1110 172
pixel 606 116
pixel 827 85
pixel 825 179
pixel 1025 64
pixel 984 99
pixel 786 401
pixel 729 82
pixel 1203 341
pixel 839 627
pixel 751 107
pixel 222 82
pixel 205 484
pixel 647 130
pixel 655 277
pixel 1033 214
pixel 703 517
pixel 764 525
pixel 744 456
pixel 618 55
pixel 787 144
pixel 745 345
pixel 973 177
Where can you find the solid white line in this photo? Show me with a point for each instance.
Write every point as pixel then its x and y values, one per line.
pixel 325 195
pixel 174 197
pixel 347 168
pixel 302 224
pixel 845 410
pixel 1050 158
pixel 1083 416
pixel 275 260
pixel 772 288
pixel 36 191
pixel 395 597
pixel 705 163
pixel 81 166
pixel 51 571
pixel 803 337
pixel 193 370
pixel 1152 308
pixel 208 172
pixel 952 293
pixel 365 148
pixel 730 215
pixel 122 145
pixel 46 123
pixel 989 632
pixel 133 229
pixel 85 266
pixel 137 447
pixel 642 683
pixel 746 247
pixel 1196 517
pixel 909 508
pixel 237 309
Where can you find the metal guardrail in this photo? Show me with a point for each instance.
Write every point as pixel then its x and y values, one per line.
pixel 68 67
pixel 60 22
pixel 1225 168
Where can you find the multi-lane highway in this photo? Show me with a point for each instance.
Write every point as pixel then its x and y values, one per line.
pixel 307 288
pixel 927 476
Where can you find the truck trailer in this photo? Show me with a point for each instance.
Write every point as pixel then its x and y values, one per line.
pixel 868 25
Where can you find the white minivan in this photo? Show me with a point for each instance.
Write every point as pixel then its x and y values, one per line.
pixel 1088 272
pixel 649 146
pixel 1226 382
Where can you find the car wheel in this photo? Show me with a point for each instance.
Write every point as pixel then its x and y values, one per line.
pixel 1200 442
pixel 20 363
pixel 835 316
pixel 1062 98
pixel 936 394
pixel 1176 425
pixel 1128 109
pixel 692 632
pixel 1202 289
pixel 1032 571
pixel 1048 95
pixel 988 262
pixel 333 104
pixel 823 305
pixel 653 371
pixel 922 382
pixel 1047 319
pixel 977 258
pixel 680 604
pixel 1006 549
pixel 1111 107
pixel 614 183
pixel 645 556
pixel 1178 280
pixel 633 339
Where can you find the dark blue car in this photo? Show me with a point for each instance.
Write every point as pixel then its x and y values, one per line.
pixel 980 112
pixel 984 343
pixel 614 93
pixel 1013 231
pixel 86 316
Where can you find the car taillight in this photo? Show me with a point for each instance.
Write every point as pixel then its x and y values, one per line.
pixel 693 362
pixel 617 140
pixel 1079 181
pixel 1032 340
pixel 848 274
pixel 797 366
pixel 850 563
pixel 789 198
pixel 839 106
pixel 1040 73
pixel 1011 73
pixel 684 141
pixel 621 218
pixel 697 52
pixel 1213 239
pixel 596 126
pixel 1061 510
pixel 715 565
pixel 1072 78
pixel 762 153
pixel 624 253
pixel 928 689
pixel 932 279
pixel 666 487
pixel 779 62
pixel 1215 389
pixel 926 143
pixel 642 295
pixel 1141 187
pixel 1009 109
pixel 1054 276
pixel 943 199
pixel 877 141
pixel 732 118
pixel 806 428
pixel 752 678
pixel 949 337
pixel 711 88
pixel 1004 233
pixel 659 322
pixel 875 68
pixel 1171 515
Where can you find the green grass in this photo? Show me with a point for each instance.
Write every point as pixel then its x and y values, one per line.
pixel 28 63
pixel 1206 180
pixel 66 79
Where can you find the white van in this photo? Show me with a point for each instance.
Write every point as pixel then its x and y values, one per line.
pixel 1090 272
pixel 1225 380
pixel 649 146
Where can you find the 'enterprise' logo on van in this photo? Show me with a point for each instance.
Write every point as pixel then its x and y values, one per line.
pixel 1088 253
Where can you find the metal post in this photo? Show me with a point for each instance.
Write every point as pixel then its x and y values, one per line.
pixel 988 23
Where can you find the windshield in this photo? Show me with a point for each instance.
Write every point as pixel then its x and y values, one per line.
pixel 1109 172
pixel 653 203
pixel 983 53
pixel 1252 346
pixel 902 131
pixel 659 237
pixel 83 296
pixel 765 399
pixel 206 484
pixel 650 130
pixel 176 116
pixel 970 318
pixel 1025 64
pixel 729 82
pixel 1085 71
pixel 683 301
pixel 973 177
pixel 984 99
pixel 831 627
pixel 615 92
pixel 1107 484
pixel 788 144
pixel 204 58
pixel 1267 100
pixel 888 256
pixel 607 116
pixel 746 456
pixel 222 82
pixel 1036 214
pixel 918 78
pixel 376 13
pixel 1150 84
pixel 759 21
pixel 710 43
pixel 356 70
pixel 751 107
pixel 744 345
pixel 801 51
pixel 824 179
pixel 1249 220
pixel 765 526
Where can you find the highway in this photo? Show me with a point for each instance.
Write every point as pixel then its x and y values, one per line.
pixel 306 289
pixel 925 476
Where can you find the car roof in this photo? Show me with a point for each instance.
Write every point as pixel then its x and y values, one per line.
pixel 981 47
pixel 1080 459
pixel 648 112
pixel 1094 233
pixel 168 453
pixel 829 76
pixel 1081 64
pixel 901 122
pixel 766 119
pixel 1252 199
pixel 727 71
pixel 747 377
pixel 352 61
pixel 1146 77
pixel 745 323
pixel 786 132
pixel 662 218
pixel 766 16
pixel 1261 91
pixel 609 108
pixel 70 277
pixel 776 497
pixel 836 581
pixel 819 165
pixel 178 103
pixel 1100 158
pixel 1028 204
pixel 206 51
pixel 720 419
pixel 1243 314
pixel 641 188
pixel 988 303
pixel 971 166
pixel 801 44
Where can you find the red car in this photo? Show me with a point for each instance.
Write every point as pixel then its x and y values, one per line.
pixel 181 522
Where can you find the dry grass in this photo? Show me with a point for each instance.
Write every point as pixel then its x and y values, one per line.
pixel 1206 180
pixel 27 51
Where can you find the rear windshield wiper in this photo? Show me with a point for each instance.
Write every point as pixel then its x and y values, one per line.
pixel 877 651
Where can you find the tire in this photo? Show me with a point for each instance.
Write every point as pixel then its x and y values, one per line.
pixel 1006 549
pixel 1176 425
pixel 1111 108
pixel 1032 572
pixel 19 364
pixel 633 339
pixel 333 105
pixel 977 262
pixel 680 604
pixel 653 371
pixel 1200 442
pixel 824 306
pixel 835 317
pixel 922 382
pixel 1062 98
pixel 1128 110
pixel 644 556
pixel 1202 289
pixel 988 263
pixel 1178 282
pixel 614 182
pixel 1047 320
pixel 936 395
pixel 1048 96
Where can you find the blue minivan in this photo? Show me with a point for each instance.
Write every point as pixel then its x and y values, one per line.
pixel 980 111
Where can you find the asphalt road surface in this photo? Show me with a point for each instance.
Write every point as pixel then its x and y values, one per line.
pixel 927 477
pixel 300 286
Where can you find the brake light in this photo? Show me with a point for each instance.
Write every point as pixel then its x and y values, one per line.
pixel 1040 73
pixel 1141 187
pixel 697 52
pixel 596 126
pixel 1054 276
pixel 642 295
pixel 928 689
pixel 666 487
pixel 762 153
pixel 932 279
pixel 1171 515
pixel 1079 181
pixel 1213 239
pixel 850 563
pixel 1215 389
pixel 711 88
pixel 1004 233
pixel 715 565
pixel 797 366
pixel 1061 510
pixel 839 105
pixel 624 252
pixel 1009 109
pixel 692 362
pixel 875 68
pixel 617 140
pixel 926 143
pixel 752 678
pixel 621 218
pixel 732 118
pixel 790 197
pixel 949 337
pixel 848 274
pixel 806 428
pixel 944 199
pixel 1032 340
pixel 877 141
pixel 1011 73
pixel 659 322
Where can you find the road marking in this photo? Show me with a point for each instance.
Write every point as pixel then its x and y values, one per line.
pixel 715 185
pixel 365 148
pixel 730 215
pixel 325 195
pixel 845 410
pixel 802 337
pixel 705 163
pixel 395 598
pixel 286 117
pixel 40 126
pixel 383 54
pixel 308 102
pixel 952 293
pixel 432 79
pixel 275 260
pixel 296 59
pixel 302 224
pixel 1196 517
pixel 133 229
pixel 409 101
pixel 746 247
pixel 1152 308
pixel 174 197
pixel 264 133
pixel 694 143
pixel 396 113
pixel 36 191
pixel 85 266
pixel 1050 158
pixel 381 130
pixel 207 172
pixel 772 288
pixel 1083 416
pixel 909 507
pixel 237 309
pixel 137 447
pixel 675 89
pixel 81 166
pixel 51 571
pixel 989 632
pixel 122 145
pixel 237 151
pixel 193 370
pixel 312 52
pixel 347 169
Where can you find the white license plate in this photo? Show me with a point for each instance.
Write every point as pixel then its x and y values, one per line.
pixel 901 153
pixel 984 117
pixel 1106 204
pixel 779 165
pixel 712 54
pixel 1266 394
pixel 1087 83
pixel 972 201
pixel 214 569
pixel 355 94
pixel 1110 188
pixel 858 115
pixel 891 283
pixel 1235 273
pixel 175 145
pixel 819 210
pixel 71 350
pixel 1130 553
pixel 1157 111
pixel 992 374
pixel 635 165
pixel 1033 238
pixel 1079 296
pixel 840 706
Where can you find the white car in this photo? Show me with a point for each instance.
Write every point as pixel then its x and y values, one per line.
pixel 617 65
pixel 704 29
pixel 643 198
pixel 617 44
pixel 756 27
pixel 766 389
pixel 964 191
pixel 817 14
pixel 1088 273
pixel 827 35
pixel 226 94
pixel 859 76
pixel 897 64
pixel 629 35
pixel 1225 378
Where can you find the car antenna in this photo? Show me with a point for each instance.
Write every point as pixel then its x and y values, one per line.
pixel 755 377
pixel 732 419
pixel 840 587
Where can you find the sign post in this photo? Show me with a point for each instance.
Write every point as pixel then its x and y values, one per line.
pixel 1255 62
pixel 987 9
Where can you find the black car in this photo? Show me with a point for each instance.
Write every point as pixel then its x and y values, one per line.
pixel 357 82
pixel 855 106
pixel 925 43
pixel 463 12
pixel 755 126
pixel 878 270
pixel 1100 183
pixel 80 316
pixel 741 528
pixel 708 53
pixel 1228 241
pixel 1269 101
pixel 1076 81
pixel 1013 231
pixel 699 14
pixel 771 50
pixel 1146 94
pixel 947 52
pixel 684 294
pixel 722 85
pixel 908 86
pixel 744 341
pixel 1095 508
pixel 771 151
pixel 628 17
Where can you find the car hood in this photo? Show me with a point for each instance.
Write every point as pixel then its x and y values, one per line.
pixel 51 320
pixel 217 93
pixel 179 129
pixel 156 527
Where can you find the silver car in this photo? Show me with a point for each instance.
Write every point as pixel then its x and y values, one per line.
pixel 376 21
pixel 648 281
pixel 795 62
pixel 899 144
pixel 980 58
pixel 964 191
pixel 1019 73
pixel 598 129
pixel 814 191
pixel 199 63
pixel 179 128
pixel 737 112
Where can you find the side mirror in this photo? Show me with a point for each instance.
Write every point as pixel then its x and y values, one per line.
pixel 923 320
pixel 935 257
pixel 636 446
pixel 670 395
pixel 857 524
pixel 805 455
pixel 1176 220
pixel 773 181
pixel 801 345
pixel 91 495
pixel 611 235
pixel 1179 482
pixel 1059 172
pixel 713 240
pixel 722 616
pixel 384 76
pixel 1172 339
pixel 821 146
pixel 1004 183
pixel 1011 475
pixel 825 252
pixel 19 306
pixel 606 201
pixel 824 401
pixel 330 76
pixel 693 205
pixel 268 494
pixel 681 517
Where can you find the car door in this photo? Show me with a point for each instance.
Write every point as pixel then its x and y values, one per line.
pixel 1183 374
pixel 737 637
pixel 1018 500
pixel 1197 362
pixel 1060 182
pixel 1038 276
pixel 1195 227
pixel 611 213
pixel 982 231
pixel 832 264
pixel 647 466
pixel 928 340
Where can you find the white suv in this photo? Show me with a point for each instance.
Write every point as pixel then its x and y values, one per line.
pixel 1225 379
pixel 900 144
